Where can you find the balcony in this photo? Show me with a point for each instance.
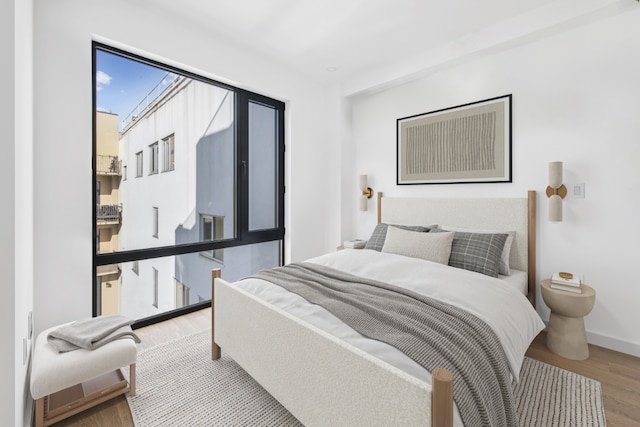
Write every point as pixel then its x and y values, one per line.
pixel 107 270
pixel 108 214
pixel 108 165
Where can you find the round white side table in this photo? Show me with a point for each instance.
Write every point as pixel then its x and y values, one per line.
pixel 565 334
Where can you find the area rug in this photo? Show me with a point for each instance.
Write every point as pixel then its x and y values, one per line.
pixel 179 385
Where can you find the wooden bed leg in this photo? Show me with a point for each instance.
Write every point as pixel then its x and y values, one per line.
pixel 215 348
pixel 39 421
pixel 441 398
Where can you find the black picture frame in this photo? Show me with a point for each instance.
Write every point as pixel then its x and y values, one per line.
pixel 469 143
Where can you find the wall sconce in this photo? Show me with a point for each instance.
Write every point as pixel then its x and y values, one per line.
pixel 367 192
pixel 556 191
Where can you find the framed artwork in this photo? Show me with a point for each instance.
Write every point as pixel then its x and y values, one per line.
pixel 464 144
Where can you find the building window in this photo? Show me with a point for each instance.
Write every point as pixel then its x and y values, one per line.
pixel 155 223
pixel 138 164
pixel 212 230
pixel 168 153
pixel 155 287
pixel 135 267
pixel 182 295
pixel 153 154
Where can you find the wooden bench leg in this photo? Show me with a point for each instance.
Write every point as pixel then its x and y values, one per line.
pixel 132 379
pixel 39 412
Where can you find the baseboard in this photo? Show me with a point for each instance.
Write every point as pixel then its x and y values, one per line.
pixel 613 343
pixel 605 341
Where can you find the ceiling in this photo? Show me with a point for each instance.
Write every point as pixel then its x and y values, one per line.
pixel 339 40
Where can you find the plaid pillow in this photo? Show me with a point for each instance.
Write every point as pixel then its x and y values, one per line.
pixel 479 252
pixel 506 251
pixel 376 241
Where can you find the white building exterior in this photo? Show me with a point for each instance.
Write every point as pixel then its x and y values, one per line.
pixel 179 189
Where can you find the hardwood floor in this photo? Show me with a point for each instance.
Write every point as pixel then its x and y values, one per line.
pixel 619 374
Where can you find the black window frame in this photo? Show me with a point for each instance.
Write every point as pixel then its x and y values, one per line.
pixel 243 236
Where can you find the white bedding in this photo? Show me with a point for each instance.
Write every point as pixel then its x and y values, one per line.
pixel 518 279
pixel 499 303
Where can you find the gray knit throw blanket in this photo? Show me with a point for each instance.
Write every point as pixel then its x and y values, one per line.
pixel 434 334
pixel 91 333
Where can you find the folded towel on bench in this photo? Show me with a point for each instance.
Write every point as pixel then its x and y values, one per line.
pixel 91 333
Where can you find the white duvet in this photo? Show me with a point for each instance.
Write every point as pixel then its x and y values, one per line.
pixel 501 305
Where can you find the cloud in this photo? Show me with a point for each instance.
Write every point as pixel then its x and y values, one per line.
pixel 168 79
pixel 102 79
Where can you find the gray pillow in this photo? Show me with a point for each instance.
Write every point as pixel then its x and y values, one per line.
pixel 479 252
pixel 376 241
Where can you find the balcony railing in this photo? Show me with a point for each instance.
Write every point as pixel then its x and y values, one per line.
pixel 108 214
pixel 166 84
pixel 107 165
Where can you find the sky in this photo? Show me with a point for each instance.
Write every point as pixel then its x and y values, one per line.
pixel 121 83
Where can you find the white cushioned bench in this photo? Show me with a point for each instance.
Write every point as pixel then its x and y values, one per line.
pixel 64 384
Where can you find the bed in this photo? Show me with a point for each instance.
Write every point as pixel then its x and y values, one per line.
pixel 325 373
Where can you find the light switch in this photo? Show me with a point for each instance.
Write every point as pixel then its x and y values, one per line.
pixel 578 191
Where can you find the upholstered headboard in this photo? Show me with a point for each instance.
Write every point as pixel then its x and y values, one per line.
pixel 507 214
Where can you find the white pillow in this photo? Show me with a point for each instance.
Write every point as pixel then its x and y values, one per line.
pixel 504 266
pixel 434 247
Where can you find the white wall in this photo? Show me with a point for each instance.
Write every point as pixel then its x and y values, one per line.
pixel 575 99
pixel 64 30
pixel 8 319
pixel 16 216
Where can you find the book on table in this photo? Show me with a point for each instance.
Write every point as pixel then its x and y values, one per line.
pixel 354 244
pixel 574 289
pixel 566 279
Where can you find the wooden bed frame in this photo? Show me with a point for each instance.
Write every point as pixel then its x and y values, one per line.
pixel 322 380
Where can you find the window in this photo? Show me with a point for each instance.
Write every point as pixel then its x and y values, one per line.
pixel 182 295
pixel 138 164
pixel 154 222
pixel 153 157
pixel 222 203
pixel 168 153
pixel 155 287
pixel 213 229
